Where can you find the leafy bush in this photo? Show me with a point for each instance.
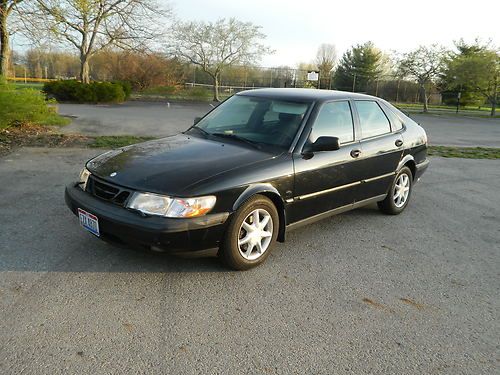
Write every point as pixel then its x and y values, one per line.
pixel 95 92
pixel 25 106
pixel 126 86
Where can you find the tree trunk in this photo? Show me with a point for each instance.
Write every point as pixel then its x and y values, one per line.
pixel 426 98
pixel 4 45
pixel 216 88
pixel 494 100
pixel 84 69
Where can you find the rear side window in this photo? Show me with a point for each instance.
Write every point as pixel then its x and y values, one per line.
pixel 396 122
pixel 334 120
pixel 372 119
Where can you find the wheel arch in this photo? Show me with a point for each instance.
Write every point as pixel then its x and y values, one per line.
pixel 408 161
pixel 270 192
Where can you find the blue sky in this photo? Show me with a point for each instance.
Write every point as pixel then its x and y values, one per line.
pixel 295 29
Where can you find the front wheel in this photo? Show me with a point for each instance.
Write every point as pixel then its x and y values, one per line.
pixel 399 193
pixel 251 234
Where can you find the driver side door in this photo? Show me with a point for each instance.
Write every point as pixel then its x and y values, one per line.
pixel 327 180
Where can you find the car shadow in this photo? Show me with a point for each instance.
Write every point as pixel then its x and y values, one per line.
pixel 71 249
pixel 84 253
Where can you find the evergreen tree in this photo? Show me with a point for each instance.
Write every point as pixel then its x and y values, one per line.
pixel 358 67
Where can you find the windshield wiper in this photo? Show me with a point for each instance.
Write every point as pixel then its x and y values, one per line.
pixel 237 137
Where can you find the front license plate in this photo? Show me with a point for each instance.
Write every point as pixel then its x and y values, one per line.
pixel 89 221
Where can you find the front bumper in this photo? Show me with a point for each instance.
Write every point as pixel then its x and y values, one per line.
pixel 117 224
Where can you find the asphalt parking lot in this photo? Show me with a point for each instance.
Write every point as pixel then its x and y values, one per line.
pixel 359 293
pixel 159 119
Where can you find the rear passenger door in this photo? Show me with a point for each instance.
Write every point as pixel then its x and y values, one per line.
pixel 381 149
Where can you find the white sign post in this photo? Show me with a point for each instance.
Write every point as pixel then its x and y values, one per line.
pixel 312 75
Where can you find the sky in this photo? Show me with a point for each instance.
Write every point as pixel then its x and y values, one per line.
pixel 295 29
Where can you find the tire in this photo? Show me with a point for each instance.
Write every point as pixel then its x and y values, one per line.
pixel 395 203
pixel 240 250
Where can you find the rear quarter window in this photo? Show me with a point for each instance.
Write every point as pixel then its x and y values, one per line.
pixel 372 119
pixel 396 122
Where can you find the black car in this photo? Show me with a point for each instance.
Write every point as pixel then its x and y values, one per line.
pixel 261 163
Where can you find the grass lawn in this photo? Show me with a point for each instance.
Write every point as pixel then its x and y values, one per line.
pixel 29 85
pixel 464 152
pixel 447 110
pixel 115 141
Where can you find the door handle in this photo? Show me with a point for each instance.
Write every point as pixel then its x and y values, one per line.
pixel 398 142
pixel 355 153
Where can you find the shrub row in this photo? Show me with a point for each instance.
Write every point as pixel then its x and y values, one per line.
pixel 25 106
pixel 95 92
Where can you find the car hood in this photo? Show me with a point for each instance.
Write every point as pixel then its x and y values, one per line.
pixel 174 164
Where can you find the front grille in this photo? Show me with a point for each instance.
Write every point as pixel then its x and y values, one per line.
pixel 106 191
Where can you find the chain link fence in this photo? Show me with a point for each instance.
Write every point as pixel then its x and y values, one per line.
pixel 235 79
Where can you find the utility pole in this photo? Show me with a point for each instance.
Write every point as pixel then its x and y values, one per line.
pixel 354 82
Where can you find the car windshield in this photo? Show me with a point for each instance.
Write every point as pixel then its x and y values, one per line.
pixel 256 119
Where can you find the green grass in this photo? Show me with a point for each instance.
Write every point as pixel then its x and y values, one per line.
pixel 447 110
pixel 464 152
pixel 447 107
pixel 54 119
pixel 114 141
pixel 29 85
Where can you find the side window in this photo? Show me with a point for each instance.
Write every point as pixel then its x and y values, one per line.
pixel 334 120
pixel 372 119
pixel 396 122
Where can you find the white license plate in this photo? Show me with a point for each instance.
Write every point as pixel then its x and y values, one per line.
pixel 89 221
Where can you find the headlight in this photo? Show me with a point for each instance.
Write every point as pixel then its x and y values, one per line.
pixel 161 205
pixel 84 177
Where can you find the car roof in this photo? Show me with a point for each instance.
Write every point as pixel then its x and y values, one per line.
pixel 303 94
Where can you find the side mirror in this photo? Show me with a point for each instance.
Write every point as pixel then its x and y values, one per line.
pixel 324 144
pixel 196 120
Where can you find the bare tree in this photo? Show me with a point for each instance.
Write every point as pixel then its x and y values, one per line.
pixel 325 59
pixel 6 9
pixel 216 45
pixel 424 65
pixel 93 25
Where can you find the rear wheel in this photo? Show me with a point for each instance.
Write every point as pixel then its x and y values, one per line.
pixel 251 234
pixel 399 194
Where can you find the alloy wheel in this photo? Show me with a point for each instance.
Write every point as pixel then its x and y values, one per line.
pixel 255 234
pixel 401 190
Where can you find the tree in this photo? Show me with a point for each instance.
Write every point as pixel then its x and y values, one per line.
pixel 215 46
pixel 93 25
pixel 358 67
pixel 6 9
pixel 325 59
pixel 477 68
pixel 424 65
pixel 141 69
